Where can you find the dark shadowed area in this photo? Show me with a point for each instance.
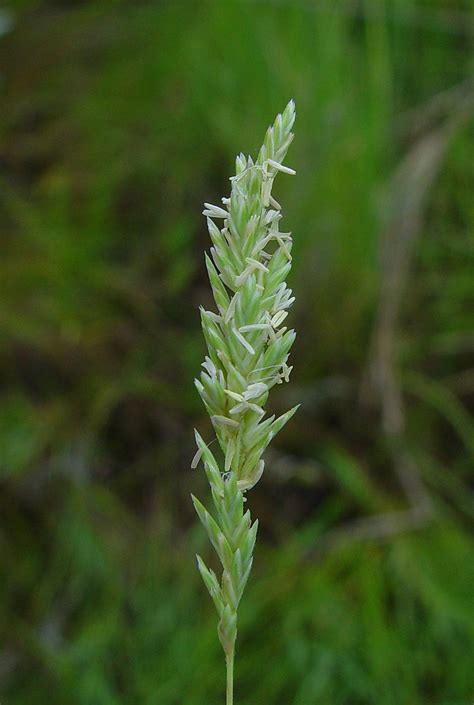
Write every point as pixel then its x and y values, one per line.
pixel 118 119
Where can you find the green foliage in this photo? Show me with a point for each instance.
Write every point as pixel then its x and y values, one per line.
pixel 118 120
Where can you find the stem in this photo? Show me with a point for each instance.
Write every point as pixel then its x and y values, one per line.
pixel 229 660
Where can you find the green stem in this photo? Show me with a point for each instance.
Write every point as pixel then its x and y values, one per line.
pixel 230 677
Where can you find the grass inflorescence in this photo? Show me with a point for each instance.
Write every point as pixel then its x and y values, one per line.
pixel 248 349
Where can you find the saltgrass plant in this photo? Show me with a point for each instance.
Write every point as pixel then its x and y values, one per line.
pixel 248 350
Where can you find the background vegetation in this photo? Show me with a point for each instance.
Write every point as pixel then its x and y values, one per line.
pixel 118 120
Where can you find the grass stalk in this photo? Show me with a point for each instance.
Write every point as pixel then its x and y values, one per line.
pixel 230 657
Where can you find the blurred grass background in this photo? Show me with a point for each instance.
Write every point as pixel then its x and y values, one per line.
pixel 118 120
